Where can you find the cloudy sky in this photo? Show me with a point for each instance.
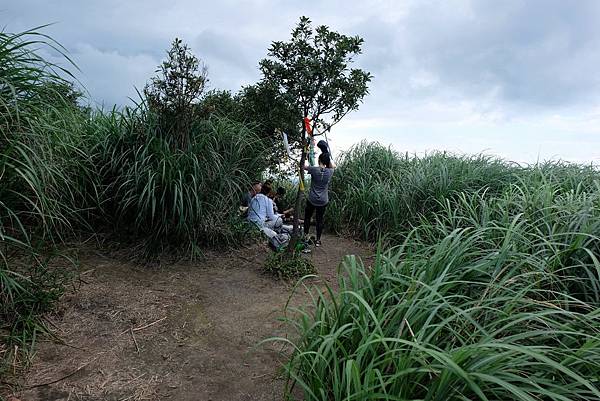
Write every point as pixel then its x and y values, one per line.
pixel 515 78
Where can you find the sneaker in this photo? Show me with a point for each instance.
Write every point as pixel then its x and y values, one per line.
pixel 318 243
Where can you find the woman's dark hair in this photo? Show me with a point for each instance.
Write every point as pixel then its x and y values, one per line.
pixel 323 146
pixel 325 159
pixel 266 189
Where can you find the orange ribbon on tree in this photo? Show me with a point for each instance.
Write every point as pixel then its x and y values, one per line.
pixel 307 126
pixel 311 141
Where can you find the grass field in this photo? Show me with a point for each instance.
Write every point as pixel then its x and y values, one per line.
pixel 487 285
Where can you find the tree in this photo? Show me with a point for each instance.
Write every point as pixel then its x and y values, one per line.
pixel 220 103
pixel 173 93
pixel 312 70
pixel 263 109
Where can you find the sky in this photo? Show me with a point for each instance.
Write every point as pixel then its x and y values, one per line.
pixel 518 79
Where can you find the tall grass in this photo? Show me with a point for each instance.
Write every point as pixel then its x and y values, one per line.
pixel 450 321
pixel 37 190
pixel 492 292
pixel 170 196
pixel 480 312
pixel 35 146
pixel 376 191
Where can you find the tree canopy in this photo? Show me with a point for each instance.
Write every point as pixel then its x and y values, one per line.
pixel 173 93
pixel 312 72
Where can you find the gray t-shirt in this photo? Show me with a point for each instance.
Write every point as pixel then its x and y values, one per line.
pixel 319 183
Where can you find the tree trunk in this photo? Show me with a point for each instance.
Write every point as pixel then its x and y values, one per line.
pixel 296 234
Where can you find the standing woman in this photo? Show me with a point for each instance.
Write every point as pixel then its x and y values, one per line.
pixel 318 196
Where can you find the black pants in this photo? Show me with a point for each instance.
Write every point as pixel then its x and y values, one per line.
pixel 308 212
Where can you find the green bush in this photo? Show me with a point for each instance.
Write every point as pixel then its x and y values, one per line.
pixel 288 266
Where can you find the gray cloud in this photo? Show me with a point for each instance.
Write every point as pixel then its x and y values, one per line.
pixel 524 53
pixel 435 62
pixel 540 53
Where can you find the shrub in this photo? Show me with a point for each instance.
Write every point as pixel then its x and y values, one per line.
pixel 286 265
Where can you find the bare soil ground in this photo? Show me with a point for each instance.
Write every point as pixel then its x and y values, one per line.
pixel 187 331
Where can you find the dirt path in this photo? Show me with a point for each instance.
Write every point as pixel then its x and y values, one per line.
pixel 185 332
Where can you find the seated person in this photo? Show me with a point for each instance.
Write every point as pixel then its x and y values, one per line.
pixel 280 206
pixel 247 198
pixel 260 213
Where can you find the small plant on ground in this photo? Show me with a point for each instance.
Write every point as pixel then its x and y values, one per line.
pixel 289 266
